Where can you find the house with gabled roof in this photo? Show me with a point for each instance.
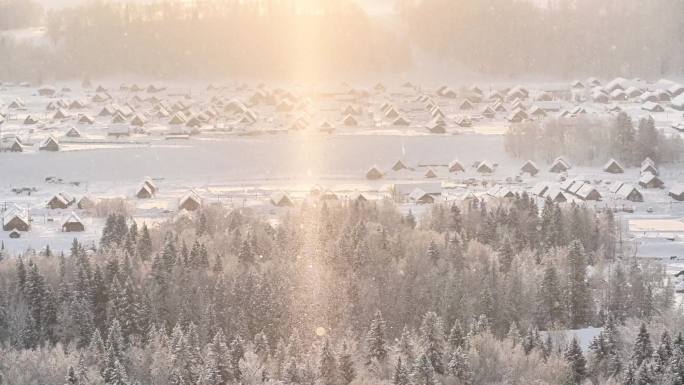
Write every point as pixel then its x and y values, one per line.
pixel 677 192
pixel 73 132
pixel 15 219
pixel 430 173
pixel 421 197
pixel 649 168
pixel 85 119
pixel 465 105
pixel 138 120
pixel 49 144
pixel 556 195
pixel 190 201
pixel 649 180
pixel 559 165
pixel 485 167
pixel 85 202
pixel 456 166
pixel 72 224
pixel 350 121
pixel 652 107
pixel 144 192
pixel 517 116
pixel 16 145
pixel 281 199
pixel 530 168
pixel 588 192
pixel 373 173
pixel 399 165
pixel 60 201
pixel 613 167
pixel 540 189
pixel 629 193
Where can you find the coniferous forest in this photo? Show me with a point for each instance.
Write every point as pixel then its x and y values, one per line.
pixel 343 293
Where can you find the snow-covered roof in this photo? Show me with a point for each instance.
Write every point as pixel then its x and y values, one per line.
pixel 677 189
pixel 72 218
pixel 191 195
pixel 433 188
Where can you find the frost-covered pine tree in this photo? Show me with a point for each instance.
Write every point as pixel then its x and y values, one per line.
pixel 643 349
pixel 346 365
pixel 261 347
pixel 457 337
pixel 375 341
pixel 401 374
pixel 577 292
pixel 291 373
pixel 144 244
pixel 459 367
pixel 246 256
pixel 217 369
pixel 97 350
pixel 432 340
pixel 645 375
pixel 235 353
pixel 576 362
pixel 514 334
pixel 664 351
pixel 423 373
pixel 405 346
pixel 433 251
pixel 549 299
pixel 71 378
pixel 629 376
pixel 327 367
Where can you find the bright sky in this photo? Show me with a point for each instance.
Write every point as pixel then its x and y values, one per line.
pixel 372 6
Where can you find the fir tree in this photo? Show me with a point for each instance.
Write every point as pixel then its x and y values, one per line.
pixel 577 292
pixel 423 372
pixel 246 256
pixel 327 368
pixel 432 340
pixel 433 251
pixel 71 378
pixel 457 337
pixel 630 376
pixel 144 246
pixel 375 340
pixel 346 366
pixel 410 220
pixel 643 349
pixel 401 374
pixel 549 302
pixel 459 367
pixel 576 361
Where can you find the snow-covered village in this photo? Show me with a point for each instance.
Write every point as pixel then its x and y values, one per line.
pixel 341 192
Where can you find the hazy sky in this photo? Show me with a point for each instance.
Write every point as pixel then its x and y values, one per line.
pixel 372 6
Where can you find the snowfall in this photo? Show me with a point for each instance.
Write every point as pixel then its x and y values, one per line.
pixel 236 145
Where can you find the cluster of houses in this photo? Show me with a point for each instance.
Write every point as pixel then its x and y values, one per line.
pixel 578 189
pixel 654 97
pixel 16 220
pixel 129 110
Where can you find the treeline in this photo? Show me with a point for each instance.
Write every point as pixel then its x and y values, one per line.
pixel 222 38
pixel 593 141
pixel 336 39
pixel 555 38
pixel 227 297
pixel 15 14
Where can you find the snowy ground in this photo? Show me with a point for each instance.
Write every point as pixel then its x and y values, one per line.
pixel 238 165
